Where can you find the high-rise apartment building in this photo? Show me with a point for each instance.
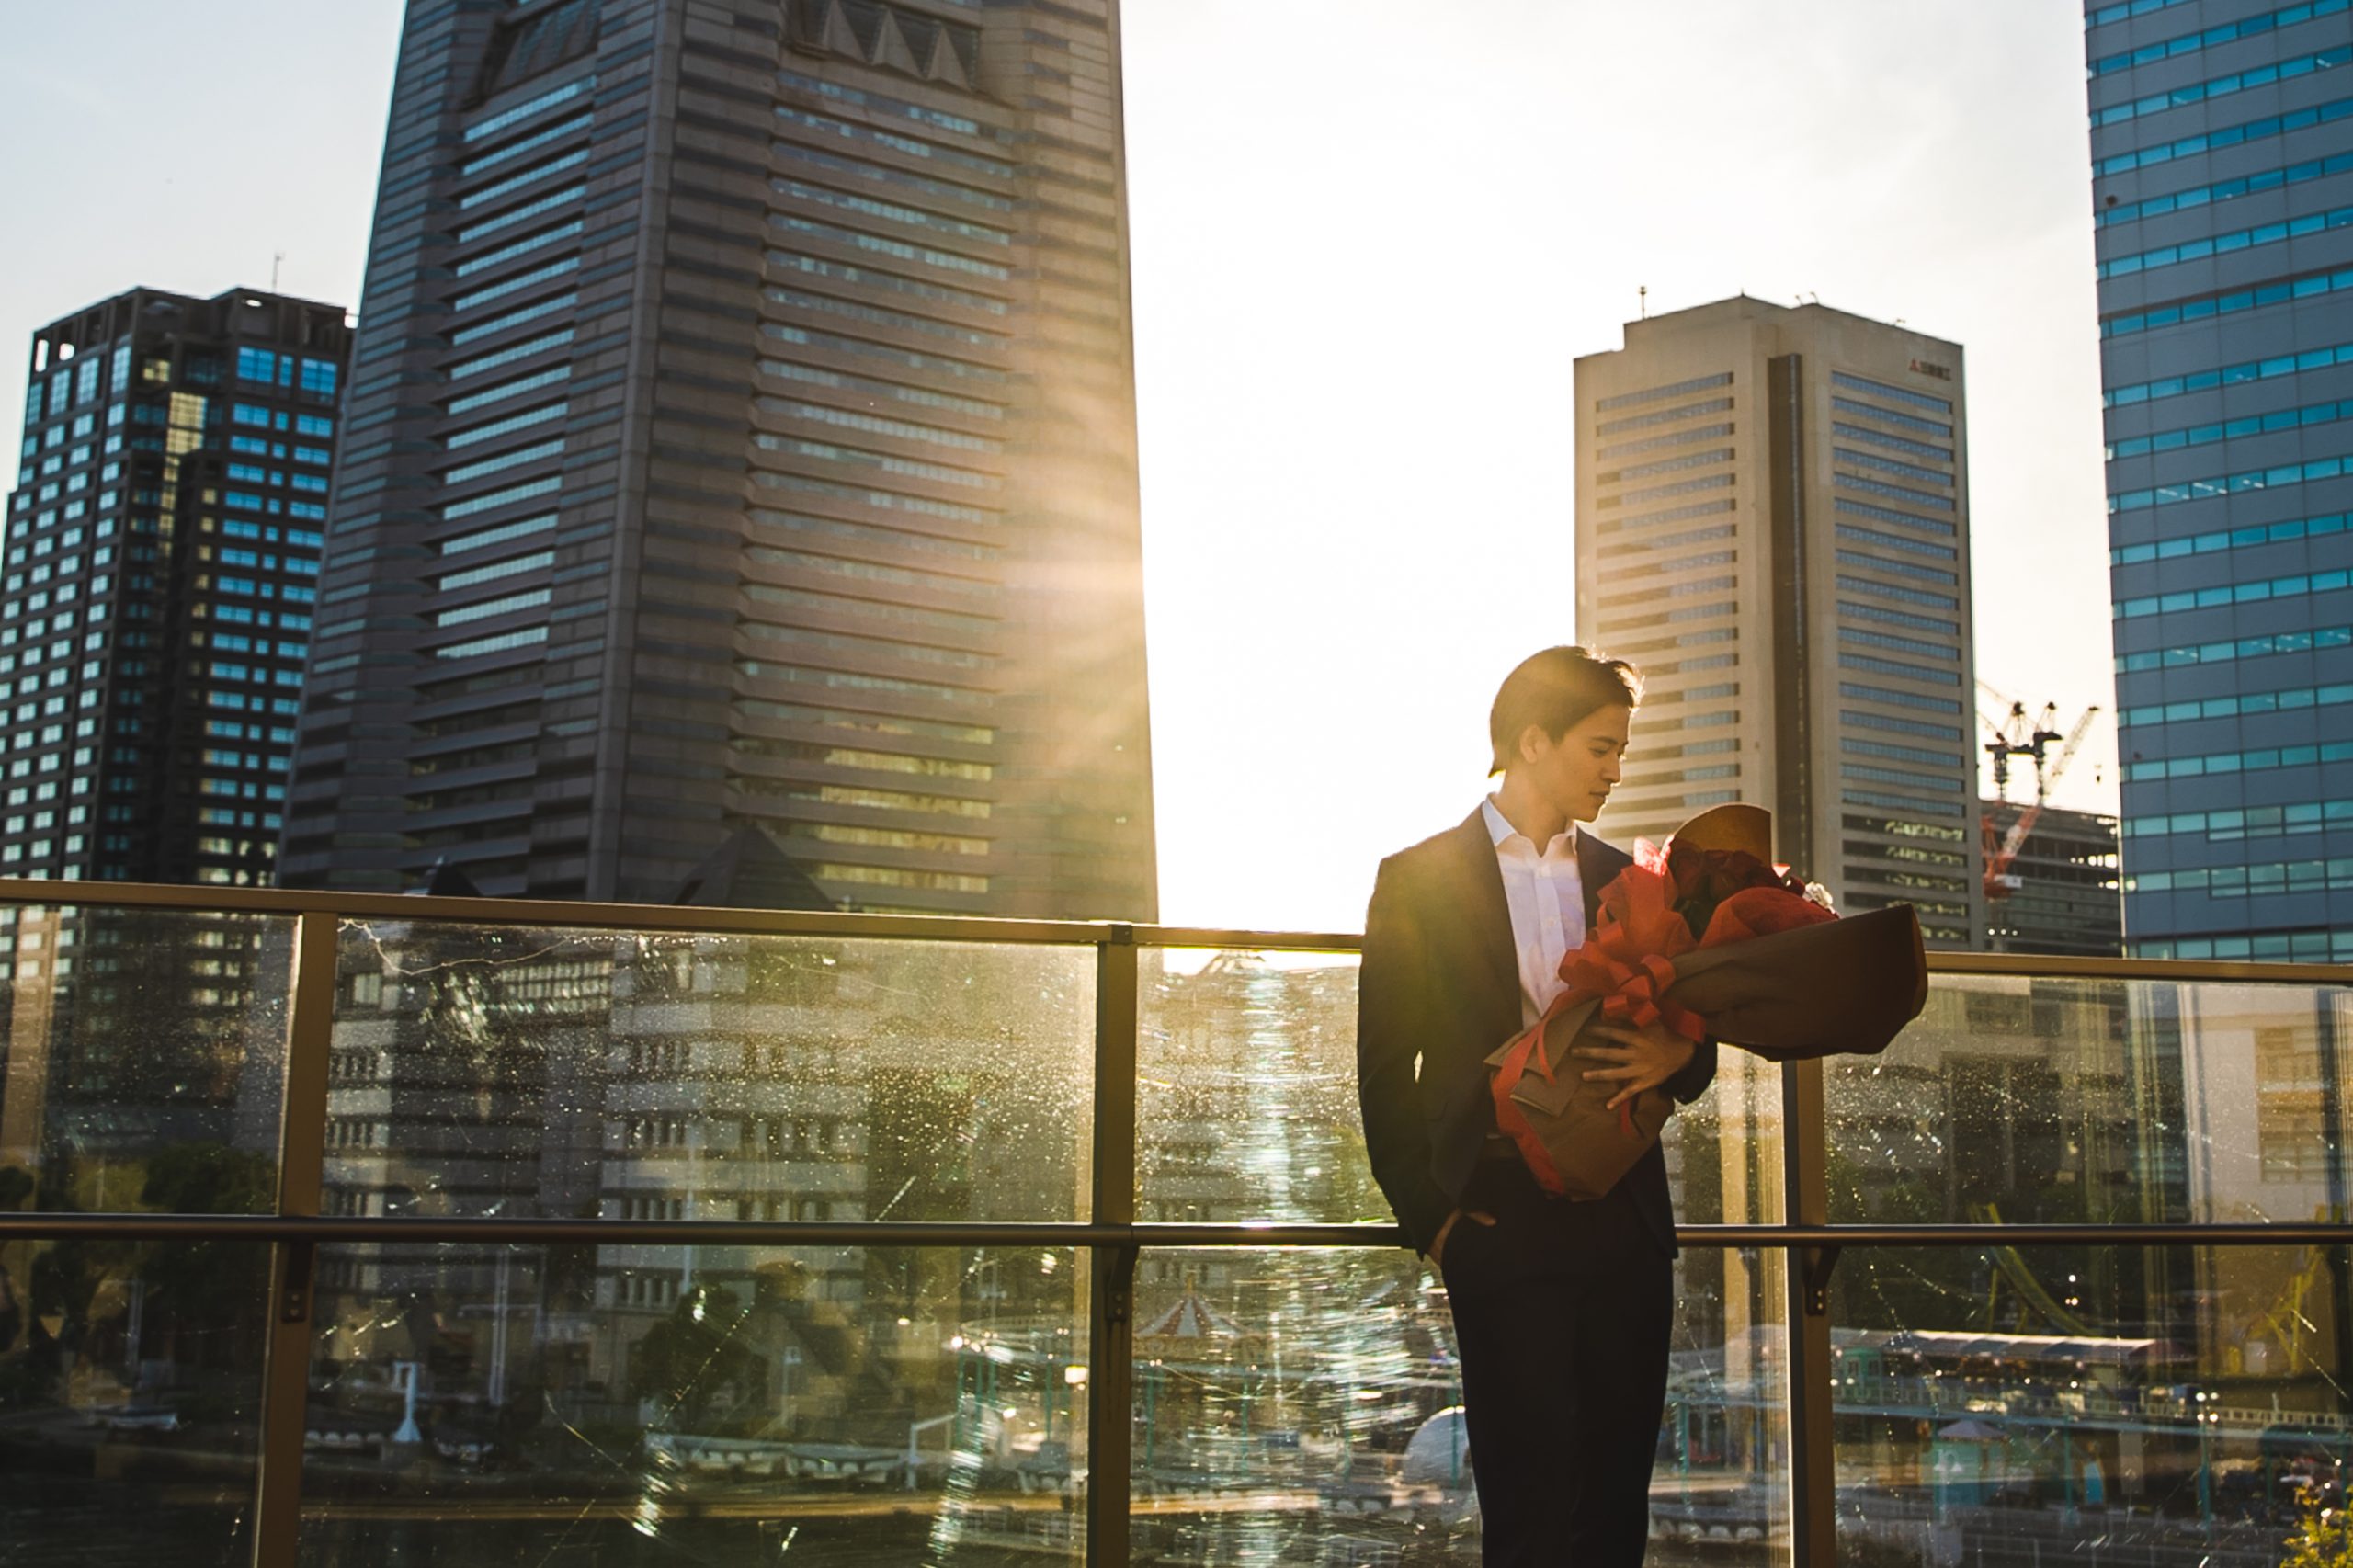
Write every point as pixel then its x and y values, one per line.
pixel 744 440
pixel 162 556
pixel 1773 522
pixel 2222 141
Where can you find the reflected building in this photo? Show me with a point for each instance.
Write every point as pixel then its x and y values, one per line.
pixel 1773 523
pixel 751 442
pixel 2219 131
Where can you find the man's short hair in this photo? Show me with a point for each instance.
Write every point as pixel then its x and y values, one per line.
pixel 1555 690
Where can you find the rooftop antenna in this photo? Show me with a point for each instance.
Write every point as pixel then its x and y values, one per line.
pixel 1643 292
pixel 276 260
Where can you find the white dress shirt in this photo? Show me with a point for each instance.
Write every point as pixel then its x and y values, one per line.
pixel 1546 896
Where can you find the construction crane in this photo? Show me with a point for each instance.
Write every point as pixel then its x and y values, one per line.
pixel 2014 735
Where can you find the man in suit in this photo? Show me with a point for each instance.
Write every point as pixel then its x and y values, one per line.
pixel 1562 1309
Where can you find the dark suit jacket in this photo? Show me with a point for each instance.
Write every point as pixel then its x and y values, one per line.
pixel 1440 983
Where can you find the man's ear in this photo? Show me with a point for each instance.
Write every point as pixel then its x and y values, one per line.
pixel 1534 743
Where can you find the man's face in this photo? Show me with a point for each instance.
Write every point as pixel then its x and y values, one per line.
pixel 1575 774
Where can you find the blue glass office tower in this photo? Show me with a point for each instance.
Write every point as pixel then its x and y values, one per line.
pixel 2222 135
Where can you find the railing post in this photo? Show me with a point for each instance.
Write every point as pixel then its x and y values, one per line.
pixel 1813 1520
pixel 302 1156
pixel 1110 1330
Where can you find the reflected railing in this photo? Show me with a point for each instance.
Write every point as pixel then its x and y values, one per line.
pixel 343 1229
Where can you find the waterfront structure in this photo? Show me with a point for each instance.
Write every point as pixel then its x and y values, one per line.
pixel 2061 893
pixel 2220 131
pixel 1773 522
pixel 161 552
pixel 747 439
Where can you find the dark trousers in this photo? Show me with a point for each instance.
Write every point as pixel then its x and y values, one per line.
pixel 1561 1316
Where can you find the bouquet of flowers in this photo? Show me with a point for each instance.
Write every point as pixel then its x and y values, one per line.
pixel 1709 939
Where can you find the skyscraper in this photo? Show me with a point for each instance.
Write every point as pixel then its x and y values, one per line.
pixel 745 442
pixel 2222 131
pixel 1773 522
pixel 162 552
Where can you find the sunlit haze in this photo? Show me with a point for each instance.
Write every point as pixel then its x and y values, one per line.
pixel 1369 241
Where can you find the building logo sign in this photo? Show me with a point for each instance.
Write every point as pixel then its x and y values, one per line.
pixel 1923 367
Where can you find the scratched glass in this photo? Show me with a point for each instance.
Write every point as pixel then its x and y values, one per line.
pixel 143 1054
pixel 1304 1406
pixel 2168 1405
pixel 2017 1099
pixel 486 1406
pixel 490 1071
pixel 1246 1101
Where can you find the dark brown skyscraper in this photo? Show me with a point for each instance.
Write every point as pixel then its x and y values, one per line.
pixel 742 436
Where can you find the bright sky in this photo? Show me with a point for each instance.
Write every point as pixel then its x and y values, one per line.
pixel 1369 239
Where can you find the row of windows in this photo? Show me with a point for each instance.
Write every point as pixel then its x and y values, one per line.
pixel 866 725
pixel 510 567
pixel 1891 591
pixel 514 215
pixel 1665 465
pixel 1690 536
pixel 871 837
pixel 873 315
pixel 892 876
pixel 864 571
pixel 1906 804
pixel 2303 947
pixel 1676 591
pixel 1665 415
pixel 2240 648
pixel 1896 667
pixel 1921 727
pixel 1676 439
pixel 1856 635
pixel 912 360
pixel 898 107
pixel 851 133
pixel 1855 508
pixel 1911 396
pixel 1901 568
pixel 505 426
pixel 490 500
pixel 867 386
pixel 2238 762
pixel 2232 594
pixel 2121 9
pixel 1893 443
pixel 1674 564
pixel 521 178
pixel 2237 825
pixel 890 211
pixel 550 377
pixel 1860 747
pixel 953 191
pixel 1893 492
pixel 2281 701
pixel 314 376
pixel 2222 86
pixel 530 144
pixel 2230 303
pixel 521 455
pixel 864 644
pixel 1901 779
pixel 2232 429
pixel 518 528
pixel 2227 190
pixel 508 354
pixel 976 626
pixel 484 608
pixel 1860 693
pixel 1655 394
pixel 2227 485
pixel 501 644
pixel 1889 465
pixel 1887 417
pixel 1899 618
pixel 1672 515
pixel 2229 375
pixel 879 762
pixel 2207 38
pixel 883 500
pixel 1855 535
pixel 2224 244
pixel 537 104
pixel 859 455
pixel 2259 129
pixel 798 525
pixel 874 425
pixel 851 680
pixel 523 246
pixel 867 277
pixel 2263 880
pixel 552 305
pixel 1661 492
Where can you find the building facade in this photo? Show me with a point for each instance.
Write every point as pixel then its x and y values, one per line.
pixel 2060 892
pixel 2221 142
pixel 1773 523
pixel 162 558
pixel 746 442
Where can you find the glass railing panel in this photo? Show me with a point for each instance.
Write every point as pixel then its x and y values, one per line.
pixel 130 1401
pixel 1305 1406
pixel 2070 1101
pixel 2172 1404
pixel 142 1053
pixel 1246 1101
pixel 488 1071
pixel 871 1408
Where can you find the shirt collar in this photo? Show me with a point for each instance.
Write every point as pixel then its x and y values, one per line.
pixel 1500 831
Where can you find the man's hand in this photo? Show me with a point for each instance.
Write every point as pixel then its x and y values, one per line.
pixel 1438 1243
pixel 1645 1057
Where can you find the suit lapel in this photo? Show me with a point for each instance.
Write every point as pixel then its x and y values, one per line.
pixel 1481 881
pixel 1597 865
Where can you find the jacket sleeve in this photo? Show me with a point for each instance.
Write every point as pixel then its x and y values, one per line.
pixel 1697 1073
pixel 1392 1023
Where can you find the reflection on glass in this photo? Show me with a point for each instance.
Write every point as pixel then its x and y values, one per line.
pixel 130 1393
pixel 140 1058
pixel 2056 1100
pixel 1303 1406
pixel 2177 1406
pixel 853 1406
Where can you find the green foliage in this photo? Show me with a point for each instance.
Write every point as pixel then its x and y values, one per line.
pixel 2324 1538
